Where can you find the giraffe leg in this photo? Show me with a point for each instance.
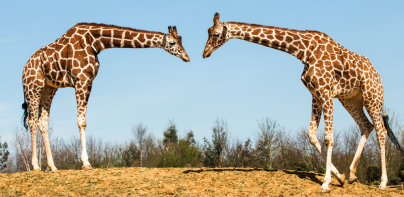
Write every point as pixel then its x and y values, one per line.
pixel 44 110
pixel 381 132
pixel 354 106
pixel 315 121
pixel 328 104
pixel 83 90
pixel 32 117
pixel 33 93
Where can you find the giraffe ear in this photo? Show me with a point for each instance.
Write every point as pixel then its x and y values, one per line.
pixel 224 32
pixel 175 31
pixel 216 18
pixel 170 30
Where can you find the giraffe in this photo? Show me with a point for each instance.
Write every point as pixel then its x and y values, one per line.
pixel 71 61
pixel 330 71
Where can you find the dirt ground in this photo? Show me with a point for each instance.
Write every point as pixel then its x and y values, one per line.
pixel 178 182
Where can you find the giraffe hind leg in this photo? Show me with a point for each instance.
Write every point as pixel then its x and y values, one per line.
pixel 33 94
pixel 374 111
pixel 44 110
pixel 354 106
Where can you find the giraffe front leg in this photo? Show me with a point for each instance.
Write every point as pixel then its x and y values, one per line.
pixel 354 106
pixel 328 104
pixel 315 121
pixel 83 90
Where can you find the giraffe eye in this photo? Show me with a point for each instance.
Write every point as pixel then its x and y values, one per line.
pixel 217 34
pixel 172 43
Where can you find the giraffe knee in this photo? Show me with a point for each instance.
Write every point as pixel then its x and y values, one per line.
pixel 328 142
pixel 82 124
pixel 43 124
pixel 31 123
pixel 42 127
pixel 313 139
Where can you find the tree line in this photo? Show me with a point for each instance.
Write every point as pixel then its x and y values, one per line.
pixel 272 147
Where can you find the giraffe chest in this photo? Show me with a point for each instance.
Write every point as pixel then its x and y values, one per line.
pixel 340 84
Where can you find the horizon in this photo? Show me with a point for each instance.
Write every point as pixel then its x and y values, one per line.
pixel 241 82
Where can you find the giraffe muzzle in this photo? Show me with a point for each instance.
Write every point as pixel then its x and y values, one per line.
pixel 185 58
pixel 206 54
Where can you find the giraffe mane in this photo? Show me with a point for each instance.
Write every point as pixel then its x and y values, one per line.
pixel 116 26
pixel 275 27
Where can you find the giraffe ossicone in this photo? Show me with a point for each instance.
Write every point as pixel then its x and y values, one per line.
pixel 71 61
pixel 330 71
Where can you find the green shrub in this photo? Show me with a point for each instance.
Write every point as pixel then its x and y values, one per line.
pixel 400 173
pixel 394 181
pixel 373 173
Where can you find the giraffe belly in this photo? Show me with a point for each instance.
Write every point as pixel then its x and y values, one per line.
pixel 349 93
pixel 59 83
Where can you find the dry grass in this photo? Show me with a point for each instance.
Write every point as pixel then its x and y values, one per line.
pixel 178 182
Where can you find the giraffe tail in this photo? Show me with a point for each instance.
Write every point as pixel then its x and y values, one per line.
pixel 391 134
pixel 25 116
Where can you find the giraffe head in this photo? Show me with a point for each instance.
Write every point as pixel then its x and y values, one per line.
pixel 172 43
pixel 218 35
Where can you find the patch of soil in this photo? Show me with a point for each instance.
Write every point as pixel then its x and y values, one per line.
pixel 179 182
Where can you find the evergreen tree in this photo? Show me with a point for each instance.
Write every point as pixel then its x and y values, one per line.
pixel 190 154
pixel 130 155
pixel 190 138
pixel 170 134
pixel 3 155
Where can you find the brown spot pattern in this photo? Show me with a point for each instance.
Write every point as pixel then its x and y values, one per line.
pixel 330 71
pixel 71 61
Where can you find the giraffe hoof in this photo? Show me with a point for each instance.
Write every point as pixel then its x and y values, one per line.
pixel 324 190
pixel 87 167
pixel 352 179
pixel 341 179
pixel 54 169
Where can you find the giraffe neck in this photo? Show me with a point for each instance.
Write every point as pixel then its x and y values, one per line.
pixel 294 42
pixel 102 37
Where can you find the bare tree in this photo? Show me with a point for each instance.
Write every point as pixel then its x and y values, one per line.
pixel 393 155
pixel 267 139
pixel 139 131
pixel 234 153
pixel 21 143
pixel 151 151
pixel 220 138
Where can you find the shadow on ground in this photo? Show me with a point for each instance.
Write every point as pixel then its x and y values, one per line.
pixel 227 169
pixel 302 175
pixel 305 175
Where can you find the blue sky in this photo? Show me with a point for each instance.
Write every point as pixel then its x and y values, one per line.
pixel 241 82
